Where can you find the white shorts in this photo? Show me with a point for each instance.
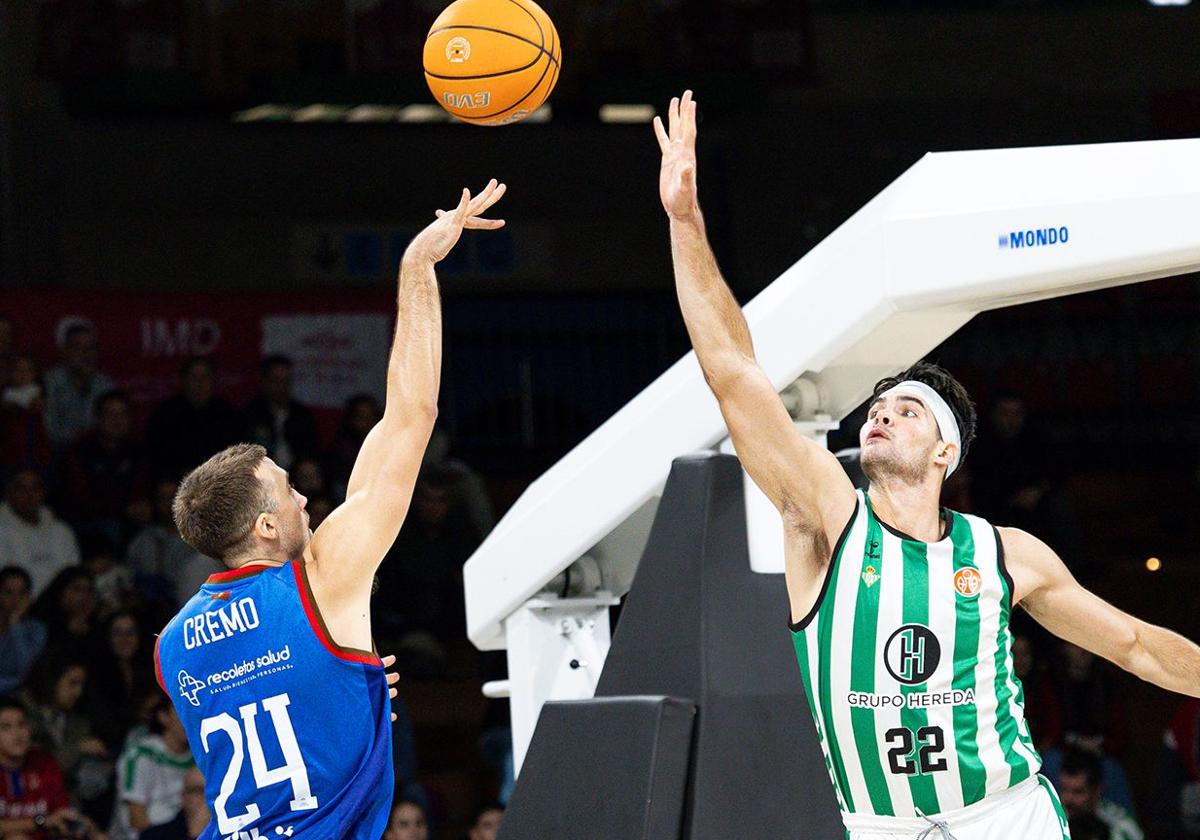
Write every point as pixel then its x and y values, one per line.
pixel 1030 811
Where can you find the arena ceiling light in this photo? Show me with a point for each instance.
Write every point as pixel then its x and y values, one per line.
pixel 366 113
pixel 422 114
pixel 626 113
pixel 374 113
pixel 265 113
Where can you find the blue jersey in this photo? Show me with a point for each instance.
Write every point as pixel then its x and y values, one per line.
pixel 292 733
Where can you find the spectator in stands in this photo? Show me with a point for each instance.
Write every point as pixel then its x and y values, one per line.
pixel 111 579
pixel 192 425
pixel 1093 717
pixel 33 795
pixel 55 685
pixel 1175 802
pixel 68 609
pixel 486 824
pixel 317 509
pixel 165 568
pixel 1017 480
pixel 30 535
pixel 1080 787
pixel 284 426
pixel 192 818
pixel 1042 708
pixel 23 384
pixel 22 638
pixel 468 487
pixel 308 476
pixel 122 676
pixel 151 774
pixel 420 580
pixel 73 386
pixel 105 475
pixel 361 414
pixel 408 821
pixel 23 440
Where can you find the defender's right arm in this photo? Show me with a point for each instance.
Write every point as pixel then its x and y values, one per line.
pixel 803 480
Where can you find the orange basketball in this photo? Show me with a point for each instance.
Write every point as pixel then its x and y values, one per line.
pixel 492 62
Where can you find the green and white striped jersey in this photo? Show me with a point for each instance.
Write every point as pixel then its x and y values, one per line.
pixel 907 666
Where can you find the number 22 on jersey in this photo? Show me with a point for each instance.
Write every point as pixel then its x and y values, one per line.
pixel 292 770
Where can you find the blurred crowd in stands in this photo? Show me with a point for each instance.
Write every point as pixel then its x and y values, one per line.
pixel 91 567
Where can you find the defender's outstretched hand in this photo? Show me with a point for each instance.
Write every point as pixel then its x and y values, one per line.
pixel 677 178
pixel 436 241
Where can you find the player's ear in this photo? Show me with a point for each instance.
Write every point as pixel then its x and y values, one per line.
pixel 264 527
pixel 945 454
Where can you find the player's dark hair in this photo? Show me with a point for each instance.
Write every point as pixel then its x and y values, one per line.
pixel 1076 761
pixel 217 503
pixel 948 388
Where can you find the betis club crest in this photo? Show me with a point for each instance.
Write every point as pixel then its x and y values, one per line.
pixel 870 576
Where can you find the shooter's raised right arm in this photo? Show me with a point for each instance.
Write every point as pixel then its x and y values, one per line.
pixel 350 544
pixel 803 480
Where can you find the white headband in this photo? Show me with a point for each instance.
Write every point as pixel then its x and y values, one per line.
pixel 942 415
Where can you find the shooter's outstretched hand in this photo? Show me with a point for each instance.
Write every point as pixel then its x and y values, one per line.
pixel 436 241
pixel 677 178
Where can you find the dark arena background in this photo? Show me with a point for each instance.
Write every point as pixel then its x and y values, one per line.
pixel 219 191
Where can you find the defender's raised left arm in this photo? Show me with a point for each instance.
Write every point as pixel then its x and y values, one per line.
pixel 1049 592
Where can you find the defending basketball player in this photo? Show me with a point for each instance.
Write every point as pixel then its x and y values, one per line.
pixel 270 665
pixel 899 609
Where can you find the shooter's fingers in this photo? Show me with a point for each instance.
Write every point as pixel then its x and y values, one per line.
pixel 465 202
pixel 488 198
pixel 475 223
pixel 661 134
pixel 688 120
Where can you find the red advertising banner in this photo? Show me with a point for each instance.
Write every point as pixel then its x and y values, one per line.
pixel 338 341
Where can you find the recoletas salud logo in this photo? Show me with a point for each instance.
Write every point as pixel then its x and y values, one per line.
pixel 188 686
pixel 237 674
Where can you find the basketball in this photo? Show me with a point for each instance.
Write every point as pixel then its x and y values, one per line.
pixel 492 62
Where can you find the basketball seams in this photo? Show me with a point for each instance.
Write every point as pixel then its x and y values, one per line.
pixel 485 75
pixel 533 17
pixel 547 44
pixel 527 94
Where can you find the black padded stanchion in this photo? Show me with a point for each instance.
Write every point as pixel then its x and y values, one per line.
pixel 604 769
pixel 698 623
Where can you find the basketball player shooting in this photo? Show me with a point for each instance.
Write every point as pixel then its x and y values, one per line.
pixel 270 665
pixel 899 609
